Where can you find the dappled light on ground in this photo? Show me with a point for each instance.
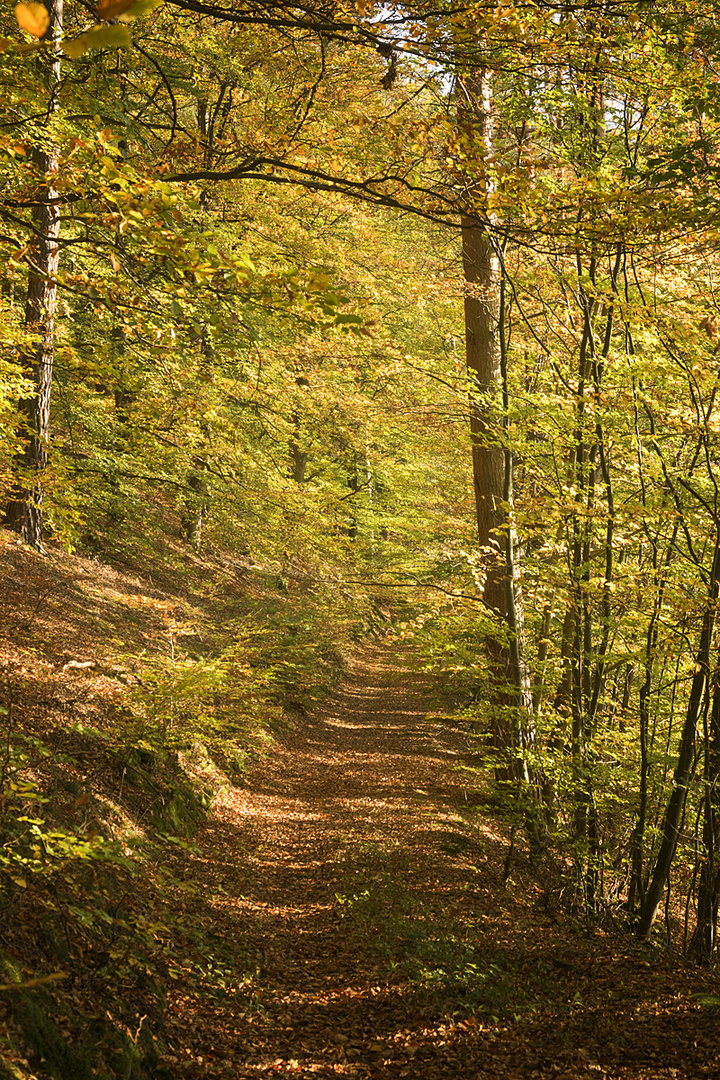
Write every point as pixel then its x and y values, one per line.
pixel 363 884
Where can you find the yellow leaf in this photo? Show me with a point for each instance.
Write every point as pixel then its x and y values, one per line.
pixel 33 18
pixel 139 8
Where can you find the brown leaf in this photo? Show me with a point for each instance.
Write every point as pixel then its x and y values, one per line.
pixel 710 327
pixel 110 9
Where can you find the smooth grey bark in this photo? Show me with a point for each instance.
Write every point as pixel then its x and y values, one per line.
pixel 486 360
pixel 481 269
pixel 24 510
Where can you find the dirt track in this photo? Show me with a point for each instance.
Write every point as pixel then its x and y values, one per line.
pixel 377 937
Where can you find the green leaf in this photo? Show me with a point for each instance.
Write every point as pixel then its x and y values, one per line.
pixel 100 37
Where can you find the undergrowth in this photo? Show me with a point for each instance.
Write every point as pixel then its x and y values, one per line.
pixel 411 939
pixel 125 708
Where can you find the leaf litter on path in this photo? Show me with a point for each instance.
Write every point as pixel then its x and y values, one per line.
pixel 362 887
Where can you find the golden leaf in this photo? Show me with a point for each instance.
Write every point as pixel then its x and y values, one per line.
pixel 33 18
pixel 140 8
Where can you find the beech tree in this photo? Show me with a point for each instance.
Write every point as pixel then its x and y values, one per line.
pixel 251 269
pixel 23 511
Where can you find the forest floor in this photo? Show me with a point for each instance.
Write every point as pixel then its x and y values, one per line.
pixel 360 874
pixel 340 911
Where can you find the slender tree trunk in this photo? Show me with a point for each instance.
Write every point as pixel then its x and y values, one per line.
pixel 704 942
pixel 195 504
pixel 298 457
pixel 298 454
pixel 637 844
pixel 24 510
pixel 686 753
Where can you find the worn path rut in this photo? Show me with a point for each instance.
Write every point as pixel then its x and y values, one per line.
pixel 360 880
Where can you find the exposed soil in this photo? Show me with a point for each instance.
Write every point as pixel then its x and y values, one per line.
pixel 363 878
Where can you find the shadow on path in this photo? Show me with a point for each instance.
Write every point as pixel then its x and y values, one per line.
pixel 379 940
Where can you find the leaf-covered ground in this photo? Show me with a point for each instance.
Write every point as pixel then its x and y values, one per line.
pixel 342 910
pixel 356 879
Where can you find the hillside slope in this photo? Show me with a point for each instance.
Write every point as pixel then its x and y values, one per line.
pixel 309 893
pixel 130 697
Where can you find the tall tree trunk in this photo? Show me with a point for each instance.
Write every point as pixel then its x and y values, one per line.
pixel 481 267
pixel 486 357
pixel 24 511
pixel 686 754
pixel 298 454
pixel 637 842
pixel 482 347
pixel 704 943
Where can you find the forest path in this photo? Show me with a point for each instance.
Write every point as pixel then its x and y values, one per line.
pixel 362 892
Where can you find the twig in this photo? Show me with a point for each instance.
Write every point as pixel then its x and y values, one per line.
pixel 41 980
pixel 7 755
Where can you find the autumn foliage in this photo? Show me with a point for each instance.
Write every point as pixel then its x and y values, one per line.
pixel 321 319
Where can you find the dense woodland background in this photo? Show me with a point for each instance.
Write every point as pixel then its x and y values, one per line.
pixel 325 318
